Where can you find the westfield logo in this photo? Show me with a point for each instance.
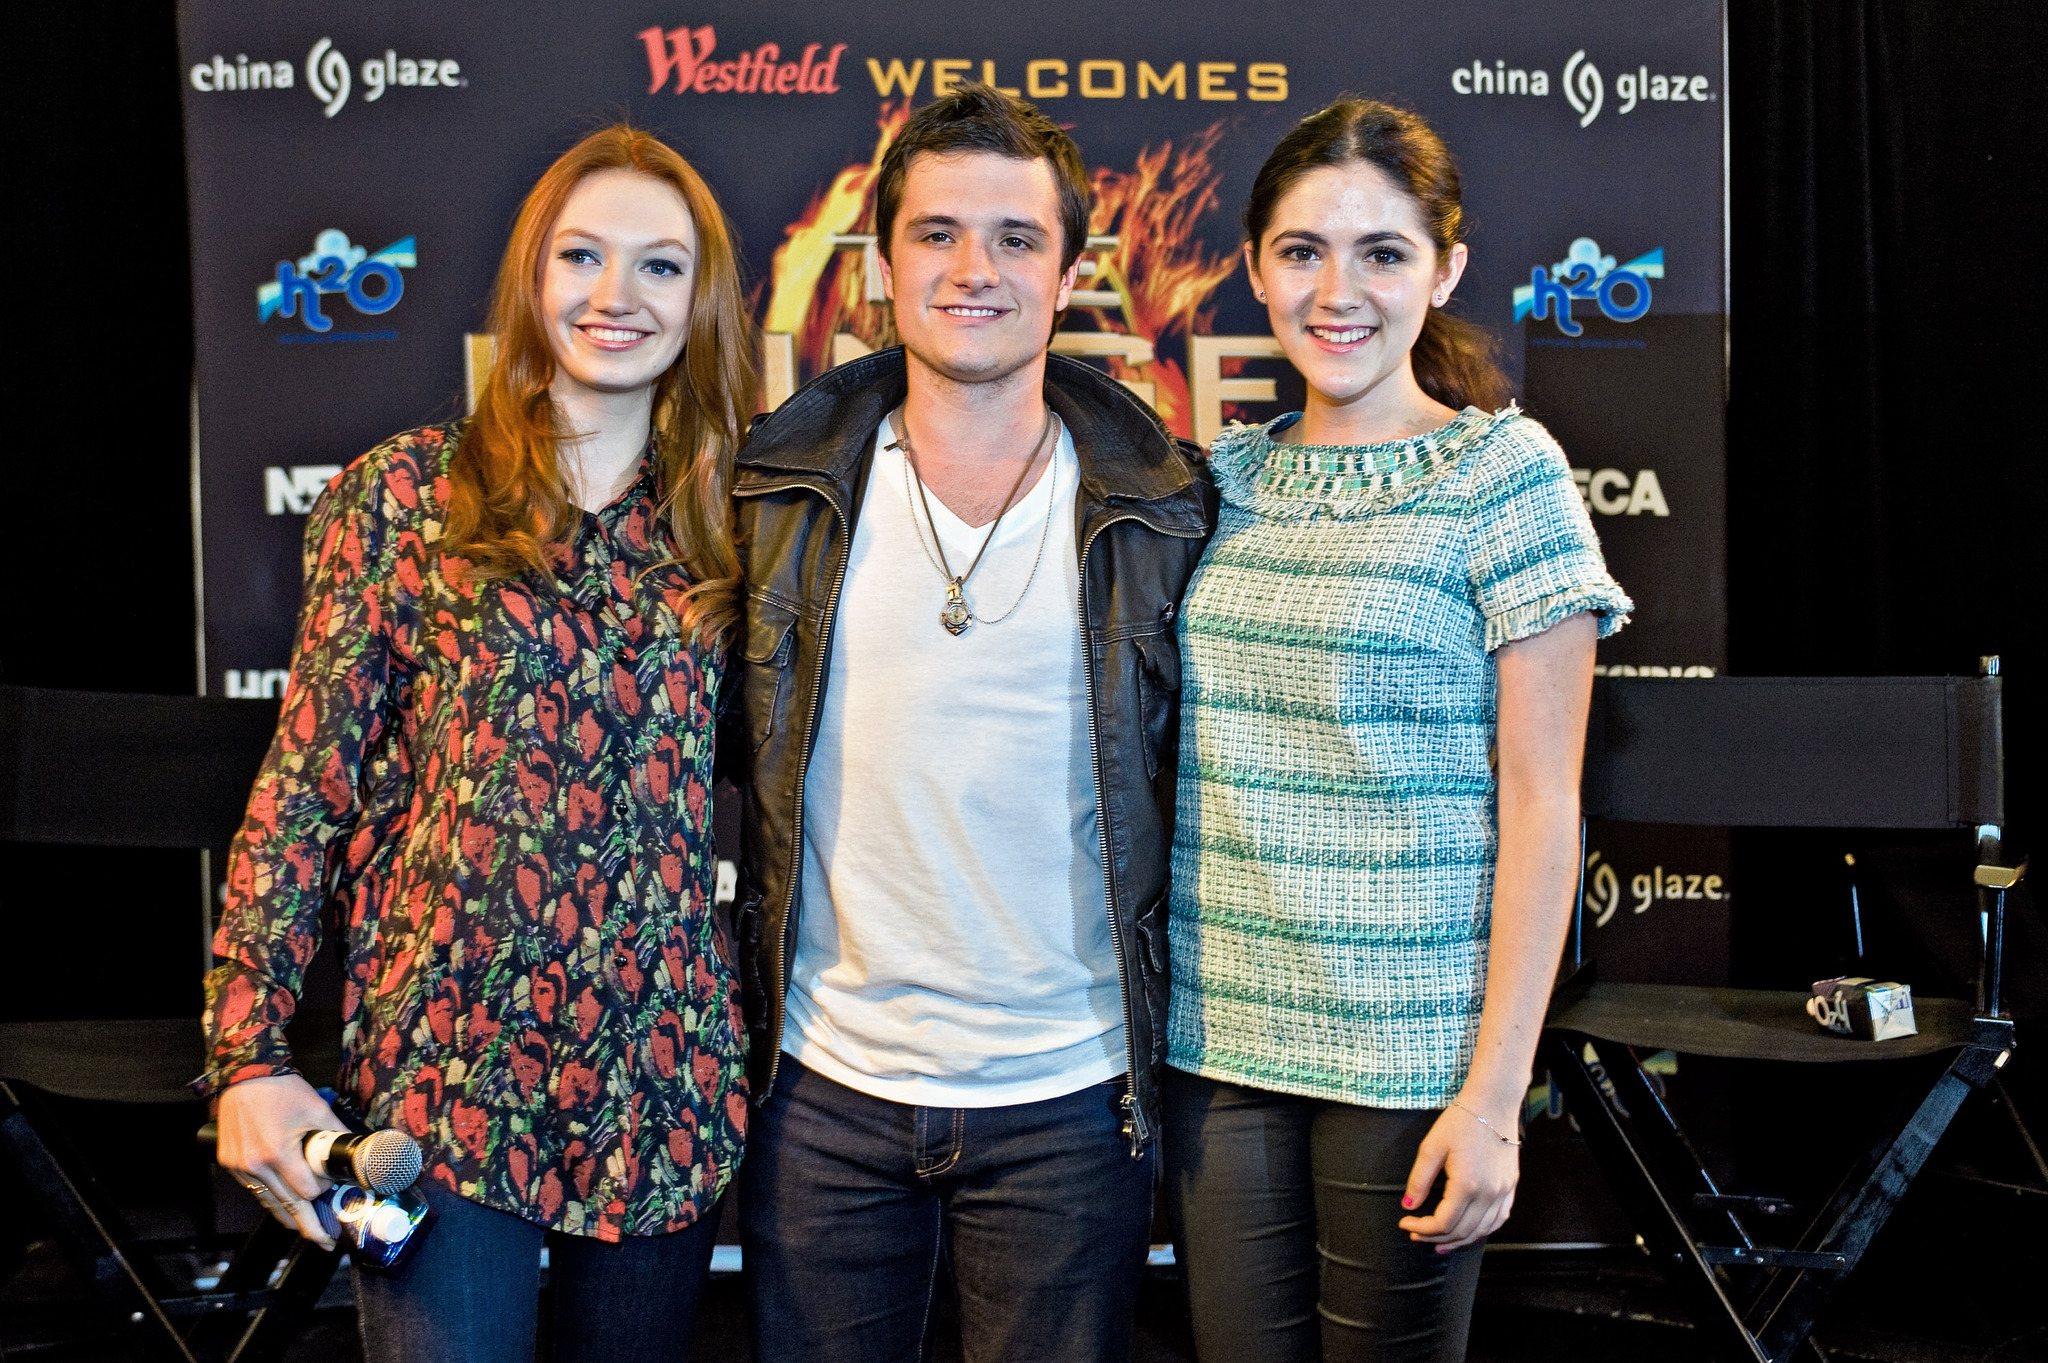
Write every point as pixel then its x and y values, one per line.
pixel 683 56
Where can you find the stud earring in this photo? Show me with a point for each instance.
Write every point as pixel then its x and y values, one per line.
pixel 1262 298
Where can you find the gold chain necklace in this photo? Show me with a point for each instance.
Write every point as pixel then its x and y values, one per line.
pixel 957 615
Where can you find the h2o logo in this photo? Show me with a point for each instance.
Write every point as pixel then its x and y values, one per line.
pixel 371 283
pixel 1585 275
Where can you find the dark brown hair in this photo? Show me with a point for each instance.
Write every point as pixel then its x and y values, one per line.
pixel 1453 358
pixel 976 117
pixel 508 497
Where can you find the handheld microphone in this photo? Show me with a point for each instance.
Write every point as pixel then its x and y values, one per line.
pixel 373 1205
pixel 382 1162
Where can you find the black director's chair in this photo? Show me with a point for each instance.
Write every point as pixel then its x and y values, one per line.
pixel 83 769
pixel 1893 752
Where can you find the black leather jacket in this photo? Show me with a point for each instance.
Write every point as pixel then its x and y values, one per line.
pixel 1146 508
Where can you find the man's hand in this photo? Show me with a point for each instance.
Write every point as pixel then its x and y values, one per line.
pixel 263 1126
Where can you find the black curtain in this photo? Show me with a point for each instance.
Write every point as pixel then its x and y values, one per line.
pixel 1885 499
pixel 99 455
pixel 1886 487
pixel 98 458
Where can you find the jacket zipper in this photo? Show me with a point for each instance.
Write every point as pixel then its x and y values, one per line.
pixel 796 868
pixel 1134 1118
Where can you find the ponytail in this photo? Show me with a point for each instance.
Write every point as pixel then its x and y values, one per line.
pixel 1454 363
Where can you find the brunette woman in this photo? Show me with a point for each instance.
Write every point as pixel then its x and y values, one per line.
pixel 494 765
pixel 1387 656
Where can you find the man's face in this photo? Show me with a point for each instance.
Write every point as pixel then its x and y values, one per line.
pixel 974 263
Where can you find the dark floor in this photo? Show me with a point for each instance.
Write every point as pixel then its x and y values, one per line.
pixel 1954 1277
pixel 1605 1307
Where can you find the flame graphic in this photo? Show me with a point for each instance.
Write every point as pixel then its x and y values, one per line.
pixel 1163 274
pixel 796 306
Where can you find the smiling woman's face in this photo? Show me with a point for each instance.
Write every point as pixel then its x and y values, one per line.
pixel 617 282
pixel 1349 273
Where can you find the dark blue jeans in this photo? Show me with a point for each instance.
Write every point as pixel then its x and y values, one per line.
pixel 849 1204
pixel 472 1293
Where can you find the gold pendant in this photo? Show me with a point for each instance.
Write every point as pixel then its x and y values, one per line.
pixel 955 617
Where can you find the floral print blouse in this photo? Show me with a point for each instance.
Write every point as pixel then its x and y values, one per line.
pixel 501 795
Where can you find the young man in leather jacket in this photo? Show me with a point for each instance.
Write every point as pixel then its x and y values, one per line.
pixel 958 693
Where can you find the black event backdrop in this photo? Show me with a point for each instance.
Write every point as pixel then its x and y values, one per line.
pixel 353 171
pixel 375 154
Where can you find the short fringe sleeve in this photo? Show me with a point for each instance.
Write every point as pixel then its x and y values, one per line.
pixel 1535 558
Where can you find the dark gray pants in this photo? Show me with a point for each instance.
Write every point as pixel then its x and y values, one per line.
pixel 1285 1215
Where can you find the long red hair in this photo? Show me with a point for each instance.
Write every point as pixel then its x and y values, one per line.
pixel 508 496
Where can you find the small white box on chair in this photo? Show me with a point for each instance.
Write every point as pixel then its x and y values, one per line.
pixel 1867 1009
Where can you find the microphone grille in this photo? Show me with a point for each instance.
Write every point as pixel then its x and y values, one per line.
pixel 387 1162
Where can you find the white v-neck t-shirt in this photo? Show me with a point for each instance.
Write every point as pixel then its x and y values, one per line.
pixel 953 944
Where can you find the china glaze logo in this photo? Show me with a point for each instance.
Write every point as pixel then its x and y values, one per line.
pixel 1622 292
pixel 1583 86
pixel 370 284
pixel 683 55
pixel 1602 895
pixel 329 77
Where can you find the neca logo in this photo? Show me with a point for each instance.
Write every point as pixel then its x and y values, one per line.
pixel 684 55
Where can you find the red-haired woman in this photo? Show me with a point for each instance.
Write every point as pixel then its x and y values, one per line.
pixel 495 759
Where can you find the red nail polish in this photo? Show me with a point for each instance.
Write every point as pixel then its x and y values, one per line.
pixel 1407 1202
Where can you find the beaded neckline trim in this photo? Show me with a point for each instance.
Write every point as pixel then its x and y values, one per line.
pixel 1285 481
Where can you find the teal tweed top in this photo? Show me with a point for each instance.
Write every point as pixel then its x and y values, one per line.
pixel 1336 832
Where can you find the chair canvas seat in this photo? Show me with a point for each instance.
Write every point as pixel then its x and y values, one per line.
pixel 1746 1024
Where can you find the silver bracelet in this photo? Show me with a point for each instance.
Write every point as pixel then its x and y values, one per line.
pixel 1504 1140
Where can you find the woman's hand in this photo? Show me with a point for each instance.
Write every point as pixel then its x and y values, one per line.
pixel 263 1126
pixel 1480 1172
pixel 1546 684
